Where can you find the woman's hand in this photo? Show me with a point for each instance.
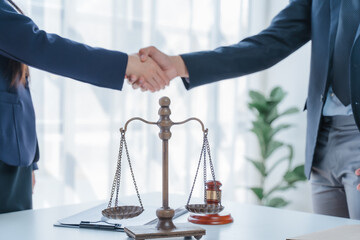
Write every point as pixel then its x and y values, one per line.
pixel 150 75
pixel 172 66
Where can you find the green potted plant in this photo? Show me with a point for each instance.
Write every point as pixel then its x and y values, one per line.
pixel 265 128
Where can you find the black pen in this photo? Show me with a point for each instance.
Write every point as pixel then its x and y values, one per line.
pixel 89 225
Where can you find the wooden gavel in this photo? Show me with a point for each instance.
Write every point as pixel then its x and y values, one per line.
pixel 213 196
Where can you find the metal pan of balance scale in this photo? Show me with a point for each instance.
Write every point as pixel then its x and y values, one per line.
pixel 122 212
pixel 204 208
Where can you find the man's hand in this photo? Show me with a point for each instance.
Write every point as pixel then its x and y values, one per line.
pixel 164 61
pixel 173 66
pixel 148 74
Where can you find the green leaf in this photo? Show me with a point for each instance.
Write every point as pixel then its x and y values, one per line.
pixel 289 111
pixel 290 177
pixel 261 108
pixel 277 202
pixel 284 188
pixel 264 129
pixel 259 192
pixel 259 123
pixel 277 94
pixel 260 166
pixel 279 128
pixel 291 155
pixel 299 170
pixel 272 115
pixel 296 175
pixel 258 102
pixel 257 97
pixel 272 146
pixel 261 139
pixel 262 132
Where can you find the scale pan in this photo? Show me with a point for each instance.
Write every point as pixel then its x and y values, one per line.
pixel 204 208
pixel 122 212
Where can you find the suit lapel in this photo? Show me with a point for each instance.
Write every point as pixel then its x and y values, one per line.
pixel 334 10
pixel 356 36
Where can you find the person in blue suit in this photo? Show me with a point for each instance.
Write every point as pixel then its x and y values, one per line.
pixel 23 44
pixel 333 102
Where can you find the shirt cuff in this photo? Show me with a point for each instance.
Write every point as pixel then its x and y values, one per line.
pixel 186 82
pixel 35 166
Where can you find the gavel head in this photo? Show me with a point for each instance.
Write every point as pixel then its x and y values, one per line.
pixel 213 192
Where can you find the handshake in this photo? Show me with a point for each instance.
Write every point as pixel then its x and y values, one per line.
pixel 152 70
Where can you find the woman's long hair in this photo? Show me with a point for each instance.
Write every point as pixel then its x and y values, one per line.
pixel 19 71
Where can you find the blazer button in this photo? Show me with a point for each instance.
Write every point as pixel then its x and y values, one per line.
pixel 321 98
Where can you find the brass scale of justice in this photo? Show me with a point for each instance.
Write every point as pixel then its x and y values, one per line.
pixel 165 226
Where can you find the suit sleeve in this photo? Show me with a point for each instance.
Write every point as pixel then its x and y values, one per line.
pixel 37 157
pixel 23 41
pixel 289 30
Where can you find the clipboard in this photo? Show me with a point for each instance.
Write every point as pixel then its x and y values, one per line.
pixel 93 219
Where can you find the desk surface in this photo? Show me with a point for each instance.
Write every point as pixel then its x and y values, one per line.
pixel 251 222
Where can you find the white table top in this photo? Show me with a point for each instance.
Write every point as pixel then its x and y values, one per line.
pixel 251 222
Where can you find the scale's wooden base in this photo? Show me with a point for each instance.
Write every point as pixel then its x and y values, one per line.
pixel 150 231
pixel 211 219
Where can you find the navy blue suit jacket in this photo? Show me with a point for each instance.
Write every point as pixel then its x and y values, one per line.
pixel 22 40
pixel 299 22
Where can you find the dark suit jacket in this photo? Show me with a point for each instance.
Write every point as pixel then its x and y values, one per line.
pixel 22 40
pixel 299 22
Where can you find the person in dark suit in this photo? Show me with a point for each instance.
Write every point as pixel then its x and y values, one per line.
pixel 333 102
pixel 23 44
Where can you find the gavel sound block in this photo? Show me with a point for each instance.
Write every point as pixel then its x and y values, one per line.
pixel 213 195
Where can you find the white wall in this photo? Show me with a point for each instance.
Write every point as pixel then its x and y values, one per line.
pixel 78 124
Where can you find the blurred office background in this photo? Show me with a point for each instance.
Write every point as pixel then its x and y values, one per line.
pixel 78 123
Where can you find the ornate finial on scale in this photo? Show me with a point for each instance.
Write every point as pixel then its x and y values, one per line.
pixel 164 102
pixel 164 123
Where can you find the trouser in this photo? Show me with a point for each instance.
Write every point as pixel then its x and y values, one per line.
pixel 336 158
pixel 15 188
